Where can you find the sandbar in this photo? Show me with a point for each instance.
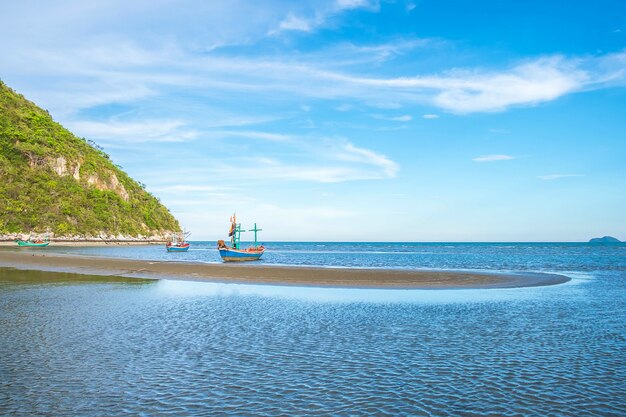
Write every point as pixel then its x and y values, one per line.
pixel 39 259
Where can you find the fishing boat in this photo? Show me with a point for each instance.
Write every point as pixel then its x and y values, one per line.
pixel 32 242
pixel 235 253
pixel 178 242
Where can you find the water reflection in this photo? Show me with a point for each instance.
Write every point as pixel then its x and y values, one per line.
pixel 28 277
pixel 347 295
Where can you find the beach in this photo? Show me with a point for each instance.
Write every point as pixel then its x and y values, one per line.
pixel 272 275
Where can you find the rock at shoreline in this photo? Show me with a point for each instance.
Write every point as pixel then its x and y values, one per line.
pixel 605 239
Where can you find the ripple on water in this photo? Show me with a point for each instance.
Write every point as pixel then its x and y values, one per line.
pixel 113 349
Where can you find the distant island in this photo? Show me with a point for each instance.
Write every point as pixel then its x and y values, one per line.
pixel 57 183
pixel 605 239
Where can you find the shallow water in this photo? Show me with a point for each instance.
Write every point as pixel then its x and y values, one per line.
pixel 76 345
pixel 483 256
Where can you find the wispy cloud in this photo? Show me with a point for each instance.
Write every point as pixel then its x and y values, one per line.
pixel 402 118
pixel 308 21
pixel 337 160
pixel 304 173
pixel 492 158
pixel 189 188
pixel 292 22
pixel 274 137
pixel 558 176
pixel 302 159
pixel 430 116
pixel 350 152
pixel 461 91
pixel 358 4
pixel 344 107
pixel 384 104
pixel 144 131
pixel 468 91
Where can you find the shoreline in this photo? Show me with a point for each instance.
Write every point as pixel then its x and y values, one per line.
pixel 26 259
pixel 92 242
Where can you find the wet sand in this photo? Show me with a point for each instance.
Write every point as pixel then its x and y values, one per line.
pixel 39 259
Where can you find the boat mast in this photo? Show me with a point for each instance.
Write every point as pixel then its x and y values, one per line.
pixel 237 236
pixel 255 230
pixel 235 232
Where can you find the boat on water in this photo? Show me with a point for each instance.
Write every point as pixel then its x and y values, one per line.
pixel 178 242
pixel 33 242
pixel 235 253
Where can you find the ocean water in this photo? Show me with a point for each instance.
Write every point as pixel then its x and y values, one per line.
pixel 481 256
pixel 101 346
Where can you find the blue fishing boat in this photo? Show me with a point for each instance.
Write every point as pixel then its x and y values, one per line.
pixel 178 242
pixel 235 253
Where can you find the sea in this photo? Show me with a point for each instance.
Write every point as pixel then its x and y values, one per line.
pixel 74 345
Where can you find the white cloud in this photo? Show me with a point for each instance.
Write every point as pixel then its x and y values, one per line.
pixel 306 173
pixel 187 188
pixel 90 76
pixel 327 160
pixel 391 128
pixel 310 20
pixel 349 152
pixel 344 107
pixel 384 105
pixel 491 158
pixel 466 91
pixel 144 131
pixel 274 137
pixel 558 176
pixel 357 4
pixel 292 22
pixel 403 118
pixel 430 116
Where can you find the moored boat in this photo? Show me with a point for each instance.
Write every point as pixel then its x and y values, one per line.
pixel 32 242
pixel 178 242
pixel 235 253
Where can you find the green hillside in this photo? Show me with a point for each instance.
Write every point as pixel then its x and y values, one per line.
pixel 54 181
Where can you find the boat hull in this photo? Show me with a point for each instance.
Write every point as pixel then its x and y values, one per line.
pixel 32 244
pixel 236 255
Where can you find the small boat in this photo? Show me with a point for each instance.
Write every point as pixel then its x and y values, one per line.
pixel 31 242
pixel 178 242
pixel 235 253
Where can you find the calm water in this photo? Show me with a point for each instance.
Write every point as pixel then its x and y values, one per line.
pixel 486 256
pixel 76 345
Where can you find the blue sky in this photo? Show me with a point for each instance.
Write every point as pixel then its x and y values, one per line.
pixel 347 119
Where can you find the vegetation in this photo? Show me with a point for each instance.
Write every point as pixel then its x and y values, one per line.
pixel 51 180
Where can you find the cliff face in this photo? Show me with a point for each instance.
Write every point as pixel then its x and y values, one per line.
pixel 51 180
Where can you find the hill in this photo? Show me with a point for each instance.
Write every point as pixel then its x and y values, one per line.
pixel 57 182
pixel 605 239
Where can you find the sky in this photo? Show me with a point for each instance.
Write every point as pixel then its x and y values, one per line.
pixel 345 120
